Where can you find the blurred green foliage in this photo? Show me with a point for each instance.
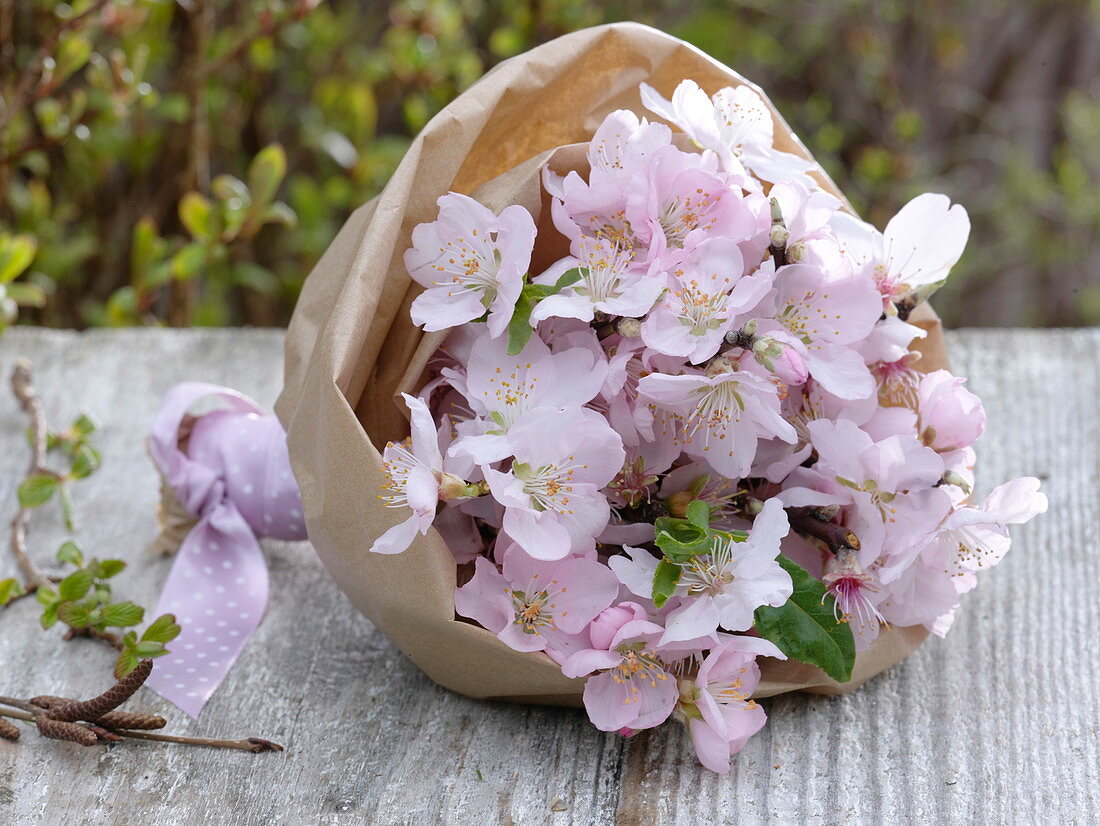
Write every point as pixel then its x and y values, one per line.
pixel 187 161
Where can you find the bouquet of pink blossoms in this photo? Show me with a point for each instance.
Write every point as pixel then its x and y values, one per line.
pixel 699 438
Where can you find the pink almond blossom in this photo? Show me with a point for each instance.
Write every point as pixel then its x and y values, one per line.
pixel 535 606
pixel 720 589
pixel 724 415
pixel 414 471
pixel 471 260
pixel 502 389
pixel 822 318
pixel 735 124
pixel 887 490
pixel 551 494
pixel 707 291
pixel 716 704
pixel 610 283
pixel 678 199
pixel 951 417
pixel 633 685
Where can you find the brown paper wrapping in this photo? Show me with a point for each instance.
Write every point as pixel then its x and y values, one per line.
pixel 351 346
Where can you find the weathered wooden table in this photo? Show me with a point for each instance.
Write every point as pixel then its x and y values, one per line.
pixel 998 723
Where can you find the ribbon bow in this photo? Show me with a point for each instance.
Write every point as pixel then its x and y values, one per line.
pixel 232 475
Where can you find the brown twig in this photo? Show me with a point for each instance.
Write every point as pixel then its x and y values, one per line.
pixel 251 744
pixel 30 403
pixel 112 639
pixel 816 524
pixel 58 718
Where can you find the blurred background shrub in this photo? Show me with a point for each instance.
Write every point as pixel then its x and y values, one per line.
pixel 187 161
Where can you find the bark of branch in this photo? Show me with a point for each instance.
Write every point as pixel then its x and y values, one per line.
pixel 30 403
pixel 816 524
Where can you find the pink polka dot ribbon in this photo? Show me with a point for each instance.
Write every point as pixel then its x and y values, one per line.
pixel 232 474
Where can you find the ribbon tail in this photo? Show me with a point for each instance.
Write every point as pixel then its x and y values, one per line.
pixel 217 589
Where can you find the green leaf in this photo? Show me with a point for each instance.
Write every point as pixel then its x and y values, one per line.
pixel 664 581
pixel 122 614
pixel 85 462
pixel 127 661
pixel 188 261
pixel 74 614
pixel 36 491
pixel 162 629
pixel 49 615
pixel 569 278
pixel 255 276
pixel 72 53
pixel 75 585
pixel 698 513
pixel 27 295
pixel 805 629
pixel 519 328
pixel 107 568
pixel 72 553
pixel 84 425
pixel 16 254
pixel 46 596
pixel 198 216
pixel 9 590
pixel 679 539
pixel 147 649
pixel 266 173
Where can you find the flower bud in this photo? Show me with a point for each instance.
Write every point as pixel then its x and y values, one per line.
pixel 796 252
pixel 608 622
pixel 719 365
pixel 678 502
pixel 453 487
pixel 781 359
pixel 779 236
pixel 629 327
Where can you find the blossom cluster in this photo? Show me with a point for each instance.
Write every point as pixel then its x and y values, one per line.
pixel 641 454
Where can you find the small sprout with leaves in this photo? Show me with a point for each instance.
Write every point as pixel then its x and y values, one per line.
pixel 82 601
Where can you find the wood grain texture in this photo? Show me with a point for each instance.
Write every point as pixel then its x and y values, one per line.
pixel 998 723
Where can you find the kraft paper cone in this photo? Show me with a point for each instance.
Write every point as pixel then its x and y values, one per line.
pixel 351 345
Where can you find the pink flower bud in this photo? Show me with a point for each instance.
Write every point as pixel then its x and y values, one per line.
pixel 951 417
pixel 790 367
pixel 604 627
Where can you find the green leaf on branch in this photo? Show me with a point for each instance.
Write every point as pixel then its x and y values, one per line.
pixel 75 585
pixel 85 461
pixel 198 216
pixel 107 568
pixel 569 278
pixel 665 579
pixel 72 553
pixel 266 173
pixel 519 328
pixel 75 614
pixel 698 513
pixel 127 661
pixel 148 649
pixel 9 590
pixel 16 254
pixel 680 539
pixel 121 614
pixel 37 490
pixel 805 628
pixel 163 629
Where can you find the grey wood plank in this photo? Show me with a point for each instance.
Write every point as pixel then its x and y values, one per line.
pixel 997 723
